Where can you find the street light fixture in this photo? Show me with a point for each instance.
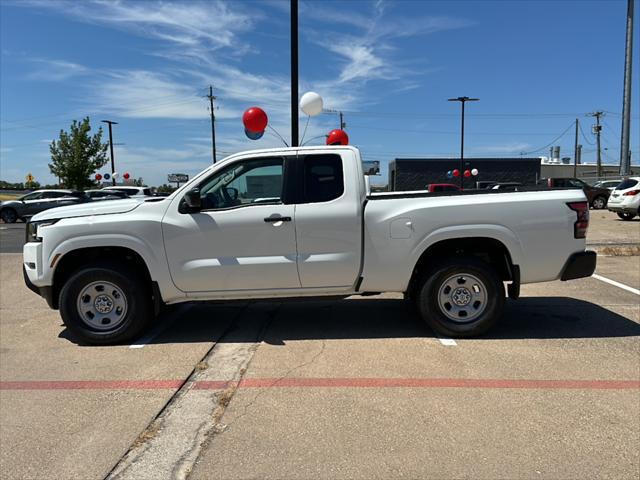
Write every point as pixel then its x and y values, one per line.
pixel 113 167
pixel 462 100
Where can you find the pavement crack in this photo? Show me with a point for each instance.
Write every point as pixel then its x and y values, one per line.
pixel 262 391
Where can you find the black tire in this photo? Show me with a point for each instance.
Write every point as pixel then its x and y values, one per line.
pixel 8 215
pixel 599 203
pixel 138 311
pixel 626 216
pixel 434 283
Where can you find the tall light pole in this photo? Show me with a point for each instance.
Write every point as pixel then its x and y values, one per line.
pixel 294 74
pixel 462 100
pixel 113 166
pixel 625 157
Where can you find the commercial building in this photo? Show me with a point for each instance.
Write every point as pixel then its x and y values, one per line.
pixel 416 173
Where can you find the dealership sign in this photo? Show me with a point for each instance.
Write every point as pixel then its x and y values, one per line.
pixel 178 177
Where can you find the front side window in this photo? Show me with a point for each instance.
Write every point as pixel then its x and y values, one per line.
pixel 323 179
pixel 574 182
pixel 257 181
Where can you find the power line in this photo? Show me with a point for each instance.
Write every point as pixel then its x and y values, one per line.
pixel 585 136
pixel 571 125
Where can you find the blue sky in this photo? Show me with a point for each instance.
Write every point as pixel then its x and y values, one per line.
pixel 390 66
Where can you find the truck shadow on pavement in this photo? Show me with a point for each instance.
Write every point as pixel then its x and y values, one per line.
pixel 375 318
pixel 527 318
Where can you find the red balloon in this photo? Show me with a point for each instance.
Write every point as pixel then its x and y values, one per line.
pixel 126 176
pixel 337 137
pixel 98 177
pixel 467 173
pixel 456 173
pixel 255 119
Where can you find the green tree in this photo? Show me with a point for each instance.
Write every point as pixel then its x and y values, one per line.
pixel 77 155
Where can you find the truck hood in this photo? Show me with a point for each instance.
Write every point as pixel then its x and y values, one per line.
pixel 87 209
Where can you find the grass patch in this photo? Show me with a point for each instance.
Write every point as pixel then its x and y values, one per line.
pixel 627 251
pixel 8 196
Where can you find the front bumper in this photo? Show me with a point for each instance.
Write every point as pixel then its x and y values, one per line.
pixel 579 265
pixel 44 292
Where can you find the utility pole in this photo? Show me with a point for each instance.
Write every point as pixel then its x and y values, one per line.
pixel 342 124
pixel 625 154
pixel 462 100
pixel 598 129
pixel 294 74
pixel 575 152
pixel 113 165
pixel 211 98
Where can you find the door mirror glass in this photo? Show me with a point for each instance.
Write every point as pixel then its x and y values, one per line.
pixel 192 199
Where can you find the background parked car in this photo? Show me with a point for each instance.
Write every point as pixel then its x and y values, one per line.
pixel 98 195
pixel 442 187
pixel 34 202
pixel 596 196
pixel 506 186
pixel 132 191
pixel 610 184
pixel 625 199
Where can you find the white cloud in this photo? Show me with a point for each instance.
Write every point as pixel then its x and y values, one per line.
pixel 55 70
pixel 369 55
pixel 193 27
pixel 513 147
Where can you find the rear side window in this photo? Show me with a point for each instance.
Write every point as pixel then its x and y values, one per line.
pixel 54 194
pixel 323 179
pixel 627 184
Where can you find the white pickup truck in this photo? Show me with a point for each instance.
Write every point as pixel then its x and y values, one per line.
pixel 301 222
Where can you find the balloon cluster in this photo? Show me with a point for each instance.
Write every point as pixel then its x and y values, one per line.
pixel 467 173
pixel 255 122
pixel 114 175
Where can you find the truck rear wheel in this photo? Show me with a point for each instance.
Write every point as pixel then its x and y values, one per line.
pixel 105 304
pixel 460 297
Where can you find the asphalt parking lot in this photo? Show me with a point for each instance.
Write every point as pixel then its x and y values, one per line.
pixel 318 389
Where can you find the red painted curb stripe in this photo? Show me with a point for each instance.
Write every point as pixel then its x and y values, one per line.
pixel 486 383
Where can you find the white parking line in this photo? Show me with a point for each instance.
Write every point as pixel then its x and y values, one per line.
pixel 616 284
pixel 449 342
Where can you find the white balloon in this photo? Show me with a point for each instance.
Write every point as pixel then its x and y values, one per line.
pixel 115 175
pixel 474 172
pixel 311 104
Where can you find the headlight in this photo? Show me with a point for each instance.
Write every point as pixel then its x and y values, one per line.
pixel 32 229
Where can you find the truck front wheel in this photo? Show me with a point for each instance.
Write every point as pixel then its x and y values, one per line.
pixel 105 303
pixel 460 297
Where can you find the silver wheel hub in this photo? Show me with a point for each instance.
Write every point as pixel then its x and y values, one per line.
pixel 462 297
pixel 102 305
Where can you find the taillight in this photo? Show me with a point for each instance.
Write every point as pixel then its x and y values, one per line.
pixel 631 193
pixel 582 221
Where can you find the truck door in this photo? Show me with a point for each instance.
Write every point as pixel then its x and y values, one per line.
pixel 243 237
pixel 328 220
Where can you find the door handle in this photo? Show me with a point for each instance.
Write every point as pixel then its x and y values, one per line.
pixel 274 219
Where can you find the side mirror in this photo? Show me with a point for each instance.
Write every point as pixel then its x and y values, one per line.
pixel 193 200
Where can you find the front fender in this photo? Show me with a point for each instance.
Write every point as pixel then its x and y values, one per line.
pixel 156 265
